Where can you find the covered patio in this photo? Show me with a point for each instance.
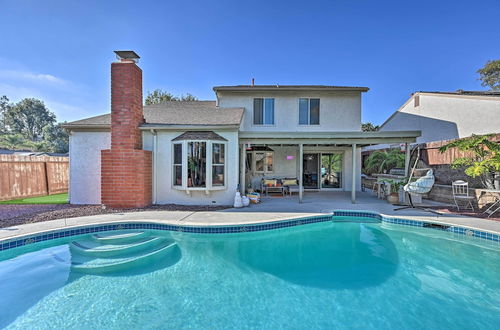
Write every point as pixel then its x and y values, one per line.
pixel 348 144
pixel 327 201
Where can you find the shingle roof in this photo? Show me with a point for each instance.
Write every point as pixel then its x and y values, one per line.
pixel 199 135
pixel 462 92
pixel 289 88
pixel 202 113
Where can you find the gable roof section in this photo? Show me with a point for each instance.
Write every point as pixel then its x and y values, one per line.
pixel 461 92
pixel 199 135
pixel 490 95
pixel 182 113
pixel 247 88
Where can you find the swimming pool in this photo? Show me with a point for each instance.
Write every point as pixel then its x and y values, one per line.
pixel 346 274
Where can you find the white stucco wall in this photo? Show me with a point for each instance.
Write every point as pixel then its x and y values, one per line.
pixel 85 166
pixel 339 110
pixel 166 194
pixel 444 117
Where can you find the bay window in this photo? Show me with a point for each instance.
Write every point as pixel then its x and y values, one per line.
pixel 199 164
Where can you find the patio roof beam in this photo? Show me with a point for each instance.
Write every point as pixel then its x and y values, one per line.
pixel 333 141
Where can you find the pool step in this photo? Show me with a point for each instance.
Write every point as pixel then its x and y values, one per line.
pixel 91 265
pixel 93 248
pixel 119 237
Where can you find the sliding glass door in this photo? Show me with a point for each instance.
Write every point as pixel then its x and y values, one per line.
pixel 331 170
pixel 310 168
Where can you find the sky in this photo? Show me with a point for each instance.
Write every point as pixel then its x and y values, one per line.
pixel 60 51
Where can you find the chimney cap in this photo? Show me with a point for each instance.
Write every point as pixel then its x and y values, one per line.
pixel 127 55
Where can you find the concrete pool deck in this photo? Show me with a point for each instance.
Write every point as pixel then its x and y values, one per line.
pixel 270 210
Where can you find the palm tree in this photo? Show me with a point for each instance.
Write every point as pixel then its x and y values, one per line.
pixel 383 161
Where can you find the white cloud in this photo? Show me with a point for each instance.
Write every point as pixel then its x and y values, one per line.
pixel 33 77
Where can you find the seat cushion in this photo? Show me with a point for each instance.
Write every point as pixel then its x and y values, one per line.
pixel 270 182
pixel 289 182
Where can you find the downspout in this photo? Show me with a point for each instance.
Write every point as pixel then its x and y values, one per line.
pixel 155 157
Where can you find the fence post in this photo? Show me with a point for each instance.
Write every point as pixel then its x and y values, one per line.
pixel 47 185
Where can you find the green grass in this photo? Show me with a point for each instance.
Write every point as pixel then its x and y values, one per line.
pixel 51 199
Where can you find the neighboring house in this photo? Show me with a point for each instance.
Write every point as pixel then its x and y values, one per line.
pixel 200 152
pixel 447 115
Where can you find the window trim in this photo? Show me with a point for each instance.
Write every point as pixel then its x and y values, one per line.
pixel 175 164
pixel 309 111
pixel 223 165
pixel 209 156
pixel 264 112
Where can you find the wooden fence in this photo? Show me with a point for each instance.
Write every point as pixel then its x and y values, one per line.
pixel 432 156
pixel 30 176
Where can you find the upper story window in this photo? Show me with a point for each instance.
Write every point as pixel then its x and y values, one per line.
pixel 308 111
pixel 199 161
pixel 263 111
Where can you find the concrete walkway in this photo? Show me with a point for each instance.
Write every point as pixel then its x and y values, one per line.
pixel 271 209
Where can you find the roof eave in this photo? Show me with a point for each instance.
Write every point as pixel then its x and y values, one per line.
pixel 174 127
pixel 284 88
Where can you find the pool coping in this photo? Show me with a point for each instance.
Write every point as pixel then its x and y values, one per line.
pixel 282 221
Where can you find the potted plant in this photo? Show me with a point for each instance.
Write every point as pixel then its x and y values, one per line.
pixel 395 185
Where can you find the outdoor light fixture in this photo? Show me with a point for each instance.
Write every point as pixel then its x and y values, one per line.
pixel 290 157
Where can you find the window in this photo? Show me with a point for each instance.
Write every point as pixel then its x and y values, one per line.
pixel 177 164
pixel 199 161
pixel 263 161
pixel 308 111
pixel 218 160
pixel 197 164
pixel 263 111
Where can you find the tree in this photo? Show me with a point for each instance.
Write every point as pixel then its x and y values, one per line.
pixel 13 142
pixel 381 161
pixel 56 138
pixel 4 105
pixel 490 75
pixel 369 127
pixel 159 96
pixel 28 117
pixel 483 158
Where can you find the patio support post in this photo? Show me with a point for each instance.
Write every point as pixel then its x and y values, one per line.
pixel 155 167
pixel 353 183
pixel 407 159
pixel 242 169
pixel 301 169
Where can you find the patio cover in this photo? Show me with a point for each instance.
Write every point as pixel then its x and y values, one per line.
pixel 340 139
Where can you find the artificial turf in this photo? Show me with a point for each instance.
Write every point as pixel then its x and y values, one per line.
pixel 50 199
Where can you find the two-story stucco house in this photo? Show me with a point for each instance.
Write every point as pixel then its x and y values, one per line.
pixel 202 152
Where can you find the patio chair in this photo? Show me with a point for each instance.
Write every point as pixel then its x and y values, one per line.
pixel 494 208
pixel 460 190
pixel 420 187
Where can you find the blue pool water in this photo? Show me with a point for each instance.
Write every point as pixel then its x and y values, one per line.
pixel 324 275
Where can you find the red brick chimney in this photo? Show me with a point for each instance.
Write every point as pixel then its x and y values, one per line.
pixel 126 179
